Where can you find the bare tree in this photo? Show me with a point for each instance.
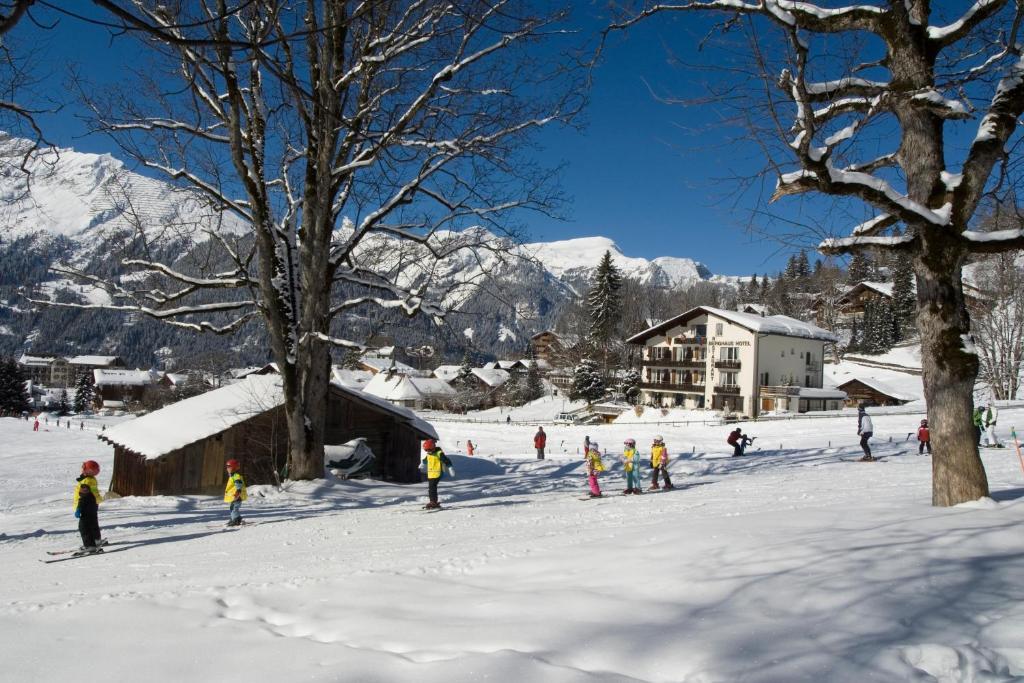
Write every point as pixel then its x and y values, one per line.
pixel 358 142
pixel 997 321
pixel 847 82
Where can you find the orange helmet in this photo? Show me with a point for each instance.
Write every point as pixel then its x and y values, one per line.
pixel 91 467
pixel 429 445
pixel 233 465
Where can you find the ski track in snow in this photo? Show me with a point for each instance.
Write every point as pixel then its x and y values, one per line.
pixel 784 565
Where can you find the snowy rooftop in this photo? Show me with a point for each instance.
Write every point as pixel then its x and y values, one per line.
pixel 447 372
pixel 381 364
pixel 492 377
pixel 127 378
pixel 882 386
pixel 93 359
pixel 355 379
pixel 185 422
pixel 405 388
pixel 772 324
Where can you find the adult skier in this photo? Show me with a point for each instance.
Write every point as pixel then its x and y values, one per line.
pixel 540 440
pixel 991 415
pixel 739 442
pixel 865 429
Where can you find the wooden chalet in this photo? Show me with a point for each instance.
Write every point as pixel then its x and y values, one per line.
pixel 181 449
pixel 872 392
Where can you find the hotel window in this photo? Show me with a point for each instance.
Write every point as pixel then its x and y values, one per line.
pixel 719 327
pixel 730 353
pixel 729 379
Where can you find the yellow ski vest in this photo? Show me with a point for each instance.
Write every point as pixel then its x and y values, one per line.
pixel 659 456
pixel 230 487
pixel 629 459
pixel 91 483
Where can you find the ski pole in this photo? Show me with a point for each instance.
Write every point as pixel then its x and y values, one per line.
pixel 1016 442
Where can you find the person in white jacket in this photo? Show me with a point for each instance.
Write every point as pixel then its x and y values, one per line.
pixel 990 416
pixel 865 429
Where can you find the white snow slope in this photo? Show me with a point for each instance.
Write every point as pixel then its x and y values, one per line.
pixel 788 565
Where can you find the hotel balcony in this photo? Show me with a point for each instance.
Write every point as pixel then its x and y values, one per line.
pixel 696 364
pixel 727 364
pixel 729 390
pixel 673 386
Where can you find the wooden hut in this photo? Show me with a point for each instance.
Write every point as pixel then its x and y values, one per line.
pixel 872 392
pixel 181 449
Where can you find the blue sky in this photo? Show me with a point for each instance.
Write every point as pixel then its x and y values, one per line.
pixel 652 176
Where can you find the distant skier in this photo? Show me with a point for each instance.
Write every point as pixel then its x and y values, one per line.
pixel 540 440
pixel 470 448
pixel 659 464
pixel 87 501
pixel 991 415
pixel 508 419
pixel 924 438
pixel 234 492
pixel 739 442
pixel 35 425
pixel 865 429
pixel 436 462
pixel 978 419
pixel 631 465
pixel 594 467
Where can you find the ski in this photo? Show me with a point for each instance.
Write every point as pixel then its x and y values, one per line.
pixel 65 558
pixel 593 497
pixel 102 544
pixel 862 460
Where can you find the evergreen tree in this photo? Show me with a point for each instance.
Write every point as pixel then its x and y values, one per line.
pixel 604 302
pixel 351 359
pixel 904 300
pixel 781 299
pixel 764 290
pixel 855 337
pixel 630 385
pixel 63 405
pixel 534 388
pixel 85 392
pixel 465 377
pixel 587 383
pixel 513 391
pixel 14 396
pixel 751 291
pixel 859 269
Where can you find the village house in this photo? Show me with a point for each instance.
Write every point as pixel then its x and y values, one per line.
pixel 181 449
pixel 63 373
pixel 118 389
pixel 547 346
pixel 736 362
pixel 871 391
pixel 409 391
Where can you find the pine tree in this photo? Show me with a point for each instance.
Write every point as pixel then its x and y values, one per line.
pixel 63 405
pixel 605 306
pixel 855 337
pixel 512 391
pixel 352 360
pixel 14 396
pixel 534 388
pixel 465 377
pixel 751 291
pixel 781 298
pixel 867 331
pixel 859 270
pixel 587 383
pixel 904 301
pixel 630 385
pixel 764 290
pixel 85 393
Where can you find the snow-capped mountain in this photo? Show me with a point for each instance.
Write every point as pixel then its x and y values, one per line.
pixel 82 207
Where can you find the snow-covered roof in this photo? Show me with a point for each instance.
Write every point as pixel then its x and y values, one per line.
pixel 447 372
pixel 881 387
pixel 780 325
pixel 883 288
pixel 541 363
pixel 35 360
pixel 175 378
pixel 759 309
pixel 381 364
pixel 185 422
pixel 122 378
pixel 406 388
pixel 94 360
pixel 492 377
pixel 811 392
pixel 356 379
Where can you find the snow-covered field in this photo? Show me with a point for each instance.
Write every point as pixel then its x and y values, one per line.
pixel 787 565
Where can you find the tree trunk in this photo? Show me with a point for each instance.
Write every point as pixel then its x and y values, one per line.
pixel 950 372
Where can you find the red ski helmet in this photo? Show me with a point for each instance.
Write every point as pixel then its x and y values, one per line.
pixel 429 445
pixel 233 465
pixel 91 467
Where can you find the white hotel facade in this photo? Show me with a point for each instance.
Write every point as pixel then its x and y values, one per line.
pixel 744 363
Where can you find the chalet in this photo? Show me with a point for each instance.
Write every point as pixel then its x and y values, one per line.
pixel 115 387
pixel 181 449
pixel 547 345
pixel 448 373
pixel 490 378
pixel 56 371
pixel 873 392
pixel 377 364
pixel 754 309
pixel 737 362
pixel 410 392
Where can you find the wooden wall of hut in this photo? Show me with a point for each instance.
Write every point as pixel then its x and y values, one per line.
pixel 395 443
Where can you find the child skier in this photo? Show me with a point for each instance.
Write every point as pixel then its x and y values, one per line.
pixel 924 440
pixel 594 466
pixel 659 463
pixel 87 501
pixel 631 464
pixel 436 462
pixel 470 448
pixel 234 492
